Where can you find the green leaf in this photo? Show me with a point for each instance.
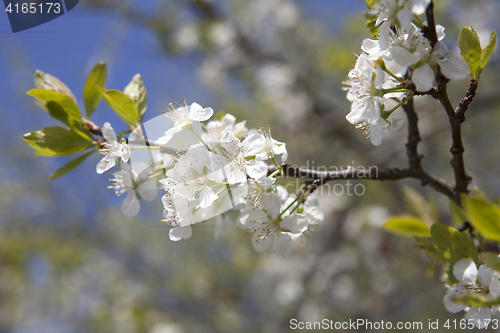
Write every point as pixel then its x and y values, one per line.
pixel 417 205
pixel 48 82
pixel 476 300
pixel 64 100
pixel 53 141
pixel 491 260
pixel 430 249
pixel 137 92
pixel 407 226
pixel 56 111
pixel 453 244
pixel 123 105
pixel 70 165
pixel 487 51
pixel 92 91
pixel 457 213
pixel 484 216
pixel 470 49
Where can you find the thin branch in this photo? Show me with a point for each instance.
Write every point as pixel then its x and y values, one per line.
pixel 456 118
pixel 464 103
pixel 414 158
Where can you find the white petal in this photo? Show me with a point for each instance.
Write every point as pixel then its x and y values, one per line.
pixel 131 205
pixel 169 134
pixel 253 144
pixel 404 57
pixel 449 304
pixel 269 245
pixel 177 233
pixel 404 16
pixel 440 32
pixel 419 6
pixel 196 112
pixel 148 189
pixel 372 48
pixel 207 197
pixel 108 132
pixel 495 285
pixel 453 68
pixel 105 164
pixel 296 223
pixel 384 32
pixel 357 113
pixel 377 135
pixel 125 152
pixel 465 271
pixel 479 316
pixel 285 244
pixel 484 275
pixel 256 169
pixel 423 77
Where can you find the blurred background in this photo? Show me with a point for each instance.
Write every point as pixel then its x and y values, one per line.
pixel 71 262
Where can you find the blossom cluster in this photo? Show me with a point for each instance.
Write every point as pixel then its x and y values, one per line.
pixel 226 169
pixel 472 281
pixel 378 85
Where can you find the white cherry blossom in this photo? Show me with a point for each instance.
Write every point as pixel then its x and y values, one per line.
pixel 484 281
pixel 125 182
pixel 215 129
pixel 398 11
pixel 240 158
pixel 273 235
pixel 112 150
pixel 183 116
pixel 271 147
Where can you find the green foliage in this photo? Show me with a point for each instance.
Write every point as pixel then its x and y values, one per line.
pixel 476 300
pixel 48 82
pixel 425 243
pixel 457 213
pixel 94 87
pixel 491 260
pixel 122 104
pixel 407 226
pixel 487 51
pixel 452 244
pixel 53 141
pixel 470 49
pixel 484 215
pixel 137 92
pixel 64 100
pixel 70 165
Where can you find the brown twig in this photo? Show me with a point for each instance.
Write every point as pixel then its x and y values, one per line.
pixel 456 117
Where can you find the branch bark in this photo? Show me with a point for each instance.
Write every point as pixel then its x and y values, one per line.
pixel 456 117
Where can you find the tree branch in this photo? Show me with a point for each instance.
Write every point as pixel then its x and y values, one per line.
pixel 456 118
